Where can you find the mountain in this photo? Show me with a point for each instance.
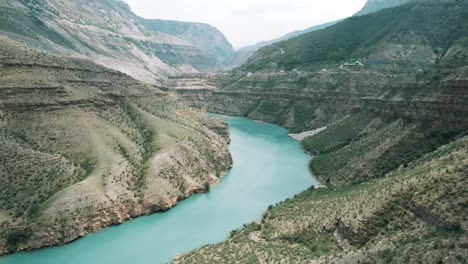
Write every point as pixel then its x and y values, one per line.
pixel 243 54
pixel 389 92
pixel 377 45
pixel 83 147
pixel 208 39
pixel 107 32
pixel 371 6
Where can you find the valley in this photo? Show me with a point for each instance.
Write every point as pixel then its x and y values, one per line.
pixel 379 99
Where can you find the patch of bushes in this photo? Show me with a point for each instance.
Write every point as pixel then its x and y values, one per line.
pixel 17 237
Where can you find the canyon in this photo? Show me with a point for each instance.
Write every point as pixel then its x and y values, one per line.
pixel 84 147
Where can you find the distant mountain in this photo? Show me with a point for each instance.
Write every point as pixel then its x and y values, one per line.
pixel 377 39
pixel 205 37
pixel 243 54
pixel 107 32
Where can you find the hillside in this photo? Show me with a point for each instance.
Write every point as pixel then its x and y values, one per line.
pixel 107 32
pixel 243 54
pixel 376 5
pixel 83 147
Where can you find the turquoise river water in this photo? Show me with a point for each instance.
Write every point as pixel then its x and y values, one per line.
pixel 268 168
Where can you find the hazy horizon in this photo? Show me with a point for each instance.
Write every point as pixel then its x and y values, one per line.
pixel 246 22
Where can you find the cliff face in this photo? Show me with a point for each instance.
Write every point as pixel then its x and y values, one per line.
pixel 83 147
pixel 107 32
pixel 305 101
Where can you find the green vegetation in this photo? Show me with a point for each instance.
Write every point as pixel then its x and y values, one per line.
pixel 367 147
pixel 16 237
pixel 207 186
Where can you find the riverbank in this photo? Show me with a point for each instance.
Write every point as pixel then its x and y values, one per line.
pixel 303 135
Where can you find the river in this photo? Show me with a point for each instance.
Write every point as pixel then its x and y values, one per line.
pixel 268 168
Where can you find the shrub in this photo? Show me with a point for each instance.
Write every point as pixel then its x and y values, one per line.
pixel 17 237
pixel 207 186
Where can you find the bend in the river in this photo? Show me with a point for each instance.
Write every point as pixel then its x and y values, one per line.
pixel 268 168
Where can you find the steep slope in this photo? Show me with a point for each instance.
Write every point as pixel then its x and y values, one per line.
pixel 105 31
pixel 83 147
pixel 208 39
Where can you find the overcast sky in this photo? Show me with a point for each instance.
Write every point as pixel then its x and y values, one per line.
pixel 246 22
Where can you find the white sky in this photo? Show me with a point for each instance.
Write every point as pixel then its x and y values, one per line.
pixel 246 22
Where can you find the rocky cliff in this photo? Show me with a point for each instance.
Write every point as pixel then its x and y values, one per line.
pixel 83 147
pixel 107 32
